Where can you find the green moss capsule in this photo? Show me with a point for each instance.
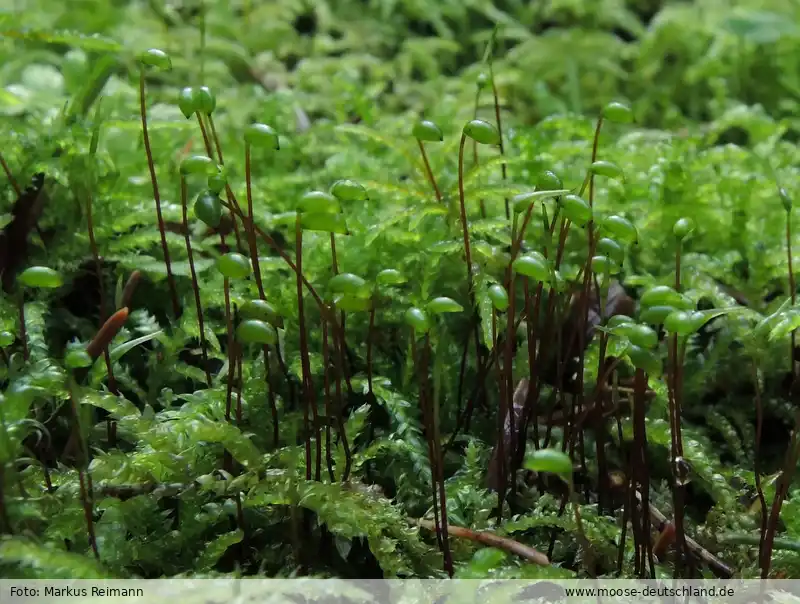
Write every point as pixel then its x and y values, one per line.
pixel 620 228
pixel 612 249
pixel 549 181
pixel 499 297
pixel 233 266
pixel 205 100
pixel 208 209
pixel 349 190
pixel 319 201
pixel 618 112
pixel 552 461
pixel 6 338
pixel 482 132
pixel 253 331
pixel 156 58
pixel 606 168
pixel 533 265
pixel 41 277
pixel 426 130
pixel 261 135
pixel 187 102
pixel 261 310
pixel 348 284
pixel 217 181
pixel 683 228
pixel 417 319
pixel 199 164
pixel 443 305
pixel 576 209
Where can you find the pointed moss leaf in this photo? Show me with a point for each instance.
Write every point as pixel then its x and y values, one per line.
pixel 617 112
pixel 348 284
pixel 533 265
pixel 41 277
pixel 603 265
pixel 638 334
pixel 352 303
pixel 612 249
pixel 426 130
pixel 620 228
pixel 187 102
pixel 417 319
pixel 785 324
pixel 390 276
pixel 199 164
pixel 261 135
pixel 205 101
pixel 606 168
pixel 683 228
pixel 443 304
pixel 77 359
pixel 523 200
pixel 661 295
pixel 233 265
pixel 208 209
pixel 482 132
pixel 549 181
pixel 644 359
pixel 618 320
pixel 349 190
pixel 324 221
pixel 552 461
pixel 6 338
pixel 319 201
pixel 253 331
pixel 499 297
pixel 261 310
pixel 119 351
pixel 576 209
pixel 655 315
pixel 156 58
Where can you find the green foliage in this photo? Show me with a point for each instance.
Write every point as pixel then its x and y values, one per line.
pixel 698 149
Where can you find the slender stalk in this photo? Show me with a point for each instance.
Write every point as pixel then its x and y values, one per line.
pixel 502 477
pixel 503 167
pixel 792 287
pixel 23 330
pixel 304 360
pixel 157 197
pixel 86 490
pixel 327 390
pixel 228 191
pixel 251 241
pixel 762 502
pixel 231 346
pixel 193 273
pixel 370 331
pixel 429 172
pixel 98 267
pixel 434 451
pixel 337 343
pixel 781 491
pixel 10 175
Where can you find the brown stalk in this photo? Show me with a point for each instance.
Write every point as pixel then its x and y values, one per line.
pixel 157 197
pixel 195 285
